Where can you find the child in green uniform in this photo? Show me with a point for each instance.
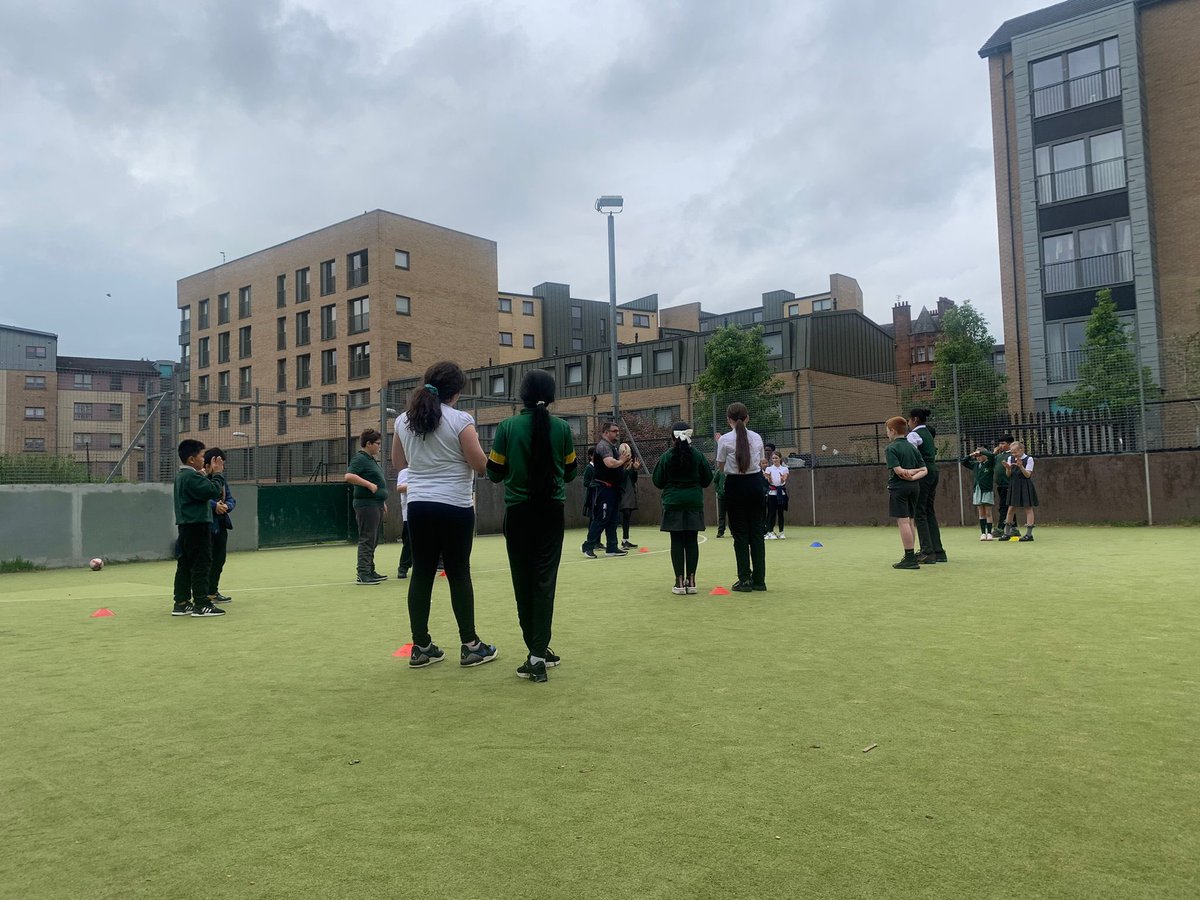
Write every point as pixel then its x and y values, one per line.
pixel 682 474
pixel 983 463
pixel 533 453
pixel 921 436
pixel 905 470
pixel 370 503
pixel 1001 453
pixel 193 517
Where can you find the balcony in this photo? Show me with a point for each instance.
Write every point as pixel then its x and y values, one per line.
pixel 1082 181
pixel 357 277
pixel 1074 92
pixel 1088 272
pixel 1063 367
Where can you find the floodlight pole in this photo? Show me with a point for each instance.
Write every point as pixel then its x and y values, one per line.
pixel 610 205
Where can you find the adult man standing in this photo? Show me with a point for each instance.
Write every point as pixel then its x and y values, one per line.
pixel 609 477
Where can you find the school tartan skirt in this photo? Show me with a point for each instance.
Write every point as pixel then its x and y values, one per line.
pixel 1021 492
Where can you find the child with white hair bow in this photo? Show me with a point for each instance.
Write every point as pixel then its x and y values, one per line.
pixel 682 474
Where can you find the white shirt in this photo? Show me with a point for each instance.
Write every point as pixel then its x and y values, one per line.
pixel 401 480
pixel 1026 463
pixel 437 470
pixel 727 452
pixel 777 474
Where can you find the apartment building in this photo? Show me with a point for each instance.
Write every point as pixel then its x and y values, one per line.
pixel 844 294
pixel 1096 124
pixel 28 390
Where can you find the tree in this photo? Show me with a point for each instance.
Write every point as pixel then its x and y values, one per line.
pixel 736 367
pixel 38 468
pixel 964 360
pixel 1108 373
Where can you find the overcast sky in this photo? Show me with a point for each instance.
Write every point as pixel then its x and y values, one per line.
pixel 758 145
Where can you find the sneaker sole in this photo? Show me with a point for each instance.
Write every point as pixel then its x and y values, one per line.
pixel 479 662
pixel 208 615
pixel 367 583
pixel 182 612
pixel 428 662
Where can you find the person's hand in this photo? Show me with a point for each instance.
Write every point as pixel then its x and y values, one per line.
pixel 221 507
pixel 374 488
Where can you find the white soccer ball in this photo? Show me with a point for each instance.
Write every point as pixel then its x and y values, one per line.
pixel 97 564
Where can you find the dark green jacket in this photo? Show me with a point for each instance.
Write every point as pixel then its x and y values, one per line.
pixel 928 448
pixel 512 448
pixel 984 471
pixel 683 490
pixel 365 466
pixel 903 454
pixel 193 490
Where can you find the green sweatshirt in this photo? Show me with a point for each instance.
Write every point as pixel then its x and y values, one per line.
pixel 984 471
pixel 193 490
pixel 683 490
pixel 365 466
pixel 512 449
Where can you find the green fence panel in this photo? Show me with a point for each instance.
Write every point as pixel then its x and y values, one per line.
pixel 304 514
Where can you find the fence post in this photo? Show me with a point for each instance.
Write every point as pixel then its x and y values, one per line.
pixel 346 441
pixel 257 434
pixel 383 445
pixel 812 453
pixel 1145 435
pixel 962 519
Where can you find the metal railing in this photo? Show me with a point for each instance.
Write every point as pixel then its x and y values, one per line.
pixel 1081 181
pixel 1063 367
pixel 1088 272
pixel 1078 91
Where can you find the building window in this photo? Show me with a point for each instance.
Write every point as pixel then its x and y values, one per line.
pixel 202 421
pixel 497 384
pixel 202 310
pixel 35 445
pixel 302 333
pixel 356 269
pixel 81 440
pixel 328 277
pixel 576 316
pixel 823 305
pixel 758 315
pixel 202 353
pixel 303 371
pixel 360 360
pixel 244 383
pixel 575 373
pixel 403 305
pixel 222 309
pixel 303 407
pixel 664 361
pixel 39 412
pixel 527 307
pixel 222 347
pixel 603 328
pixel 328 366
pixel 1076 78
pixel 401 259
pixel 328 404
pixel 223 387
pixel 774 343
pixel 527 341
pixel 223 418
pixel 360 315
pixel 629 366
pixel 201 387
pixel 641 321
pixel 576 343
pixel 506 339
pixel 244 302
pixel 920 354
pixel 82 382
pixel 280 291
pixel 793 309
pixel 360 399
pixel 281 368
pixel 505 304
pixel 281 333
pixel 185 322
pixel 116 383
pixel 35 382
pixel 1080 167
pixel 243 342
pixel 929 356
pixel 329 322
pixel 245 415
pixel 404 351
pixel 1090 257
pixel 620 317
pixel 115 412
pixel 281 424
pixel 302 285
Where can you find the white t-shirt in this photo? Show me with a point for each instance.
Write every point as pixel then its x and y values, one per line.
pixel 777 474
pixel 1026 463
pixel 437 470
pixel 727 452
pixel 401 480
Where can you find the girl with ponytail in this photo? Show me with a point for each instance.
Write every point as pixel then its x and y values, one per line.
pixel 682 474
pixel 533 453
pixel 740 455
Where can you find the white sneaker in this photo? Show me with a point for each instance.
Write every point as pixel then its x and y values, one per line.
pixel 989 537
pixel 678 590
pixel 770 536
pixel 984 537
pixel 782 536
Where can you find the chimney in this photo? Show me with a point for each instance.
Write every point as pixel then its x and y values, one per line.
pixel 944 304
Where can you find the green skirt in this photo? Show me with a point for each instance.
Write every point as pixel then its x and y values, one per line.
pixel 682 520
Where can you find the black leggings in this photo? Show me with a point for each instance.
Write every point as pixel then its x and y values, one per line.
pixel 441 530
pixel 685 553
pixel 774 514
pixel 626 515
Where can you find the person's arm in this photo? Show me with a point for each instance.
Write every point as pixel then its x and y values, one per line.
pixel 784 475
pixel 659 478
pixel 468 441
pixel 706 471
pixel 570 460
pixel 399 460
pixel 918 474
pixel 914 438
pixel 616 462
pixel 359 481
pixel 1027 470
pixel 497 458
pixel 722 452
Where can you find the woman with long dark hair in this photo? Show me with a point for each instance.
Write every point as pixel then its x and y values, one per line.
pixel 922 437
pixel 682 474
pixel 533 453
pixel 740 454
pixel 440 447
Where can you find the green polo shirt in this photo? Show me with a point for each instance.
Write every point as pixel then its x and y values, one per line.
pixel 512 449
pixel 903 454
pixel 365 466
pixel 928 448
pixel 1001 475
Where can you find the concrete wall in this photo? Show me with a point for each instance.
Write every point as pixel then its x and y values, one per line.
pixel 66 525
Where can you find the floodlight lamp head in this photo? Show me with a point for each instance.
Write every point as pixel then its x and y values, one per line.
pixel 610 203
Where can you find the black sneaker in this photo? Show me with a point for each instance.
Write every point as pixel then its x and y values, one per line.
pixel 590 554
pixel 742 587
pixel 419 659
pixel 941 557
pixel 1026 537
pixel 617 552
pixel 628 545
pixel 379 576
pixel 484 653
pixel 181 609
pixel 535 672
pixel 759 587
pixel 926 559
pixel 218 597
pixel 551 659
pixel 368 579
pixel 720 534
pixel 1007 536
pixel 908 562
pixel 207 611
pixel 402 573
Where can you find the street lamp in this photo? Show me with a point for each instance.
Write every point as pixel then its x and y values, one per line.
pixel 611 205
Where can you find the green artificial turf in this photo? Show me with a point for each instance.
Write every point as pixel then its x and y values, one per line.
pixel 1033 710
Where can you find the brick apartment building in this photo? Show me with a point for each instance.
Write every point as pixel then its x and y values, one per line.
pixel 1096 124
